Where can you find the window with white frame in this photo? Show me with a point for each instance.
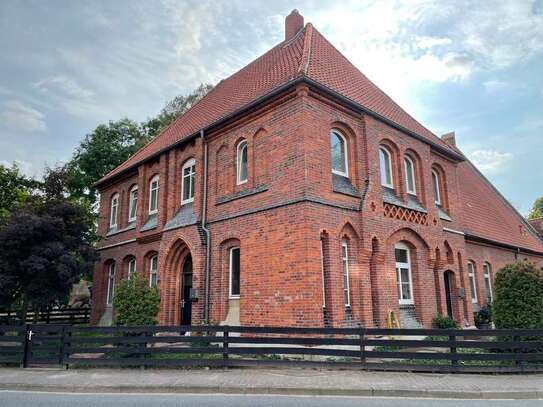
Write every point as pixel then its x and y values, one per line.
pixel 241 162
pixel 488 282
pixel 153 271
pixel 133 204
pixel 345 272
pixel 472 283
pixel 110 284
pixel 235 268
pixel 410 176
pixel 403 273
pixel 131 268
pixel 338 150
pixel 385 166
pixel 114 211
pixel 153 195
pixel 188 174
pixel 436 182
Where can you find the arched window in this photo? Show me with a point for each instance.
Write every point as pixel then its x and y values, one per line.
pixel 133 204
pixel 472 283
pixel 241 162
pixel 338 150
pixel 436 182
pixel 153 195
pixel 410 182
pixel 114 211
pixel 235 269
pixel 110 284
pixel 403 274
pixel 488 282
pixel 153 271
pixel 131 268
pixel 385 165
pixel 345 272
pixel 188 173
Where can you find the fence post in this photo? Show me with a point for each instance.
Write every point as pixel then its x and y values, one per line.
pixel 517 350
pixel 26 345
pixel 61 347
pixel 362 335
pixel 225 337
pixel 454 362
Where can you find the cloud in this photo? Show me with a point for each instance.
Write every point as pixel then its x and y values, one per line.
pixel 490 161
pixel 495 85
pixel 16 115
pixel 64 85
pixel 26 167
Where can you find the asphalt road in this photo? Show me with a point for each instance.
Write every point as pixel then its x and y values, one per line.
pixel 32 399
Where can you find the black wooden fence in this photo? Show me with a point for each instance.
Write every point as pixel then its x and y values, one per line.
pixel 429 350
pixel 66 315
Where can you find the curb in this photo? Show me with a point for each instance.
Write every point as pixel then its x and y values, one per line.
pixel 287 391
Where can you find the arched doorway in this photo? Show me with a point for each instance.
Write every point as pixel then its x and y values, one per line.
pixel 449 284
pixel 185 291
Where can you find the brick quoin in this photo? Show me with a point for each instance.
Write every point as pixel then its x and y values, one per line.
pixel 293 214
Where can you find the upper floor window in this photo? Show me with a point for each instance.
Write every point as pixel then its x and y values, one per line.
pixel 385 165
pixel 153 195
pixel 133 204
pixel 110 284
pixel 187 186
pixel 488 282
pixel 436 182
pixel 114 211
pixel 410 176
pixel 153 271
pixel 338 149
pixel 241 162
pixel 403 274
pixel 131 268
pixel 472 284
pixel 345 270
pixel 235 268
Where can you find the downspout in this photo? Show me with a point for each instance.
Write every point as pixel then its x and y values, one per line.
pixel 207 233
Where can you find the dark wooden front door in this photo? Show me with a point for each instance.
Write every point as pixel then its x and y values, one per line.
pixel 448 295
pixel 186 286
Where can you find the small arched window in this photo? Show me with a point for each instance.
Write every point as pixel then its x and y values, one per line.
pixel 153 270
pixel 410 182
pixel 235 270
pixel 488 282
pixel 131 268
pixel 153 195
pixel 338 150
pixel 188 174
pixel 114 211
pixel 345 272
pixel 472 283
pixel 385 165
pixel 241 162
pixel 110 284
pixel 133 204
pixel 436 183
pixel 403 274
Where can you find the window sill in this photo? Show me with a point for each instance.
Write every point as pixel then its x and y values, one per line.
pixel 116 231
pixel 241 194
pixel 151 223
pixel 442 214
pixel 234 297
pixel 390 197
pixel 343 185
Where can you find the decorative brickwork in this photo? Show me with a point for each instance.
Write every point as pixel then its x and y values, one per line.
pixel 407 215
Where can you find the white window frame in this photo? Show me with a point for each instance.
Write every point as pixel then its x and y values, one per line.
pixel 230 273
pixel 383 151
pixel 436 184
pixel 345 154
pixel 153 270
pixel 345 273
pixel 131 267
pixel 110 284
pixel 114 211
pixel 155 179
pixel 399 282
pixel 410 173
pixel 133 204
pixel 487 276
pixel 472 282
pixel 242 145
pixel 191 164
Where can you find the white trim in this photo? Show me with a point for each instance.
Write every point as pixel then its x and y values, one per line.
pixel 191 164
pixel 156 179
pixel 436 184
pixel 110 284
pixel 399 282
pixel 242 145
pixel 230 295
pixel 407 160
pixel 345 272
pixel 386 153
pixel 487 276
pixel 132 272
pixel 153 270
pixel 116 244
pixel 345 154
pixel 131 204
pixel 472 288
pixel 454 231
pixel 113 220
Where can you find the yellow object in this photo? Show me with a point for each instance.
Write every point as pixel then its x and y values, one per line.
pixel 392 320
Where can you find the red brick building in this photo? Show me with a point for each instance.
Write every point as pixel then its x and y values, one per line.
pixel 297 193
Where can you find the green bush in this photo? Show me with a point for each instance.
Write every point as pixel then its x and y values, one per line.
pixel 518 297
pixel 136 303
pixel 444 322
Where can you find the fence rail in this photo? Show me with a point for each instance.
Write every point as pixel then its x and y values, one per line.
pixel 426 350
pixel 54 316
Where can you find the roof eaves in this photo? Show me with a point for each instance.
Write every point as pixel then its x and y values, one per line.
pixel 515 248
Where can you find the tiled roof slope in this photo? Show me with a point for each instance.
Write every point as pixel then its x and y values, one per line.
pixel 309 54
pixel 485 213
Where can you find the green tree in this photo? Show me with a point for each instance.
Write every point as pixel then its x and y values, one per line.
pixel 136 303
pixel 537 209
pixel 518 297
pixel 15 189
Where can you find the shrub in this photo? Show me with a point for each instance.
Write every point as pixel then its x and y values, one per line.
pixel 135 302
pixel 444 322
pixel 483 316
pixel 518 297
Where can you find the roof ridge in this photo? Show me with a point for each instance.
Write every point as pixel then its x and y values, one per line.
pixel 306 53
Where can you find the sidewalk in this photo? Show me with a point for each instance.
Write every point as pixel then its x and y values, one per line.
pixel 275 381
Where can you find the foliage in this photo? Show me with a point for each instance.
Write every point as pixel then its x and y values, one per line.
pixel 15 189
pixel 180 104
pixel 444 322
pixel 135 303
pixel 483 316
pixel 518 297
pixel 537 209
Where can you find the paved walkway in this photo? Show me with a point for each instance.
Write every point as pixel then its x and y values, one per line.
pixel 275 381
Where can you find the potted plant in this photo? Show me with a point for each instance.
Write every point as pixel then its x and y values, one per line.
pixel 483 318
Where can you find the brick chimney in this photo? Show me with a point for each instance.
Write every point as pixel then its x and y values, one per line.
pixel 294 22
pixel 449 138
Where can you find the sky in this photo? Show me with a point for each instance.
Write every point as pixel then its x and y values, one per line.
pixel 473 67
